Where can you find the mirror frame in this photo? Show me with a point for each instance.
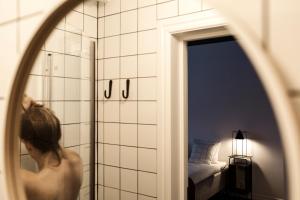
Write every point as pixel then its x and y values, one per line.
pixel 281 103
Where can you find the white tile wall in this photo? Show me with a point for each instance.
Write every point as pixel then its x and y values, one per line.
pixel 189 6
pixel 147 136
pixel 167 10
pixel 129 21
pixel 129 180
pixel 147 18
pixel 73 44
pixel 112 47
pixel 128 196
pixel 147 65
pixel 56 41
pixel 129 44
pixel 111 155
pixel 128 111
pixel 72 66
pixel 90 26
pixel 74 22
pixel 90 8
pixel 128 134
pixel 112 25
pixel 147 183
pixel 147 41
pixel 147 160
pixel 115 95
pixel 72 89
pixel 128 4
pixel 10 11
pixel 143 3
pixel 112 176
pixel 147 88
pixel 111 68
pixel 111 133
pixel 128 67
pixel 111 194
pixel 132 89
pixel 100 174
pixel 128 157
pixel 147 112
pixel 100 27
pixel 71 135
pixel 142 197
pixel 113 7
pixel 72 112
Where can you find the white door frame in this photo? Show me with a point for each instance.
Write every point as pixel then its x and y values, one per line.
pixel 172 98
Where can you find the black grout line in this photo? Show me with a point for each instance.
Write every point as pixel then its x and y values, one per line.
pixel 122 145
pixel 64 77
pixel 119 167
pixel 128 191
pixel 130 55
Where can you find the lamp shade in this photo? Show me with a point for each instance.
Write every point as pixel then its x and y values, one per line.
pixel 239 135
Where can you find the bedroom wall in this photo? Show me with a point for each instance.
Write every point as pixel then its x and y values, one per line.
pixel 224 95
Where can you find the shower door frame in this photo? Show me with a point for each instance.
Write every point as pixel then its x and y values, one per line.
pixel 172 89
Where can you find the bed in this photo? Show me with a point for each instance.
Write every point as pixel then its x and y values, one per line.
pixel 206 180
pixel 207 175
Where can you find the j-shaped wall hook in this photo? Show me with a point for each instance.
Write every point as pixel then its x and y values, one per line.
pixel 125 96
pixel 109 90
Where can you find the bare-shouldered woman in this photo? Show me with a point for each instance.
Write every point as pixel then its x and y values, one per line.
pixel 60 170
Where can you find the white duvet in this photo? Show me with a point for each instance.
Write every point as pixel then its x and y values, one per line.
pixel 198 171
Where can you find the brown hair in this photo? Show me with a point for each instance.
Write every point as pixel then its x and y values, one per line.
pixel 41 128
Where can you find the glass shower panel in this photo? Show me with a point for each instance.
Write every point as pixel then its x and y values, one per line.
pixel 62 80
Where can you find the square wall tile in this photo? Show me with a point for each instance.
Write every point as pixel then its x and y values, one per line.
pixel 147 136
pixel 147 88
pixel 128 111
pixel 167 10
pixel 189 6
pixel 111 194
pixel 72 112
pixel 112 7
pixel 100 132
pixel 128 157
pixel 112 177
pixel 85 154
pixel 128 134
pixel 85 87
pixel 34 88
pixel 101 27
pixel 90 8
pixel 90 26
pixel 128 4
pixel 74 22
pixel 129 180
pixel 129 44
pixel 128 67
pixel 147 41
pixel 111 155
pixel 57 88
pixel 112 47
pixel 100 174
pixel 85 69
pixel 128 196
pixel 147 184
pixel 85 111
pixel 100 49
pixel 147 18
pixel 56 41
pixel 100 70
pixel 39 66
pixel 73 44
pixel 62 24
pixel 58 108
pixel 71 135
pixel 143 3
pixel 79 8
pixel 129 21
pixel 72 89
pixel 10 11
pixel 100 153
pixel 100 114
pixel 111 133
pixel 112 25
pixel 147 65
pixel 111 68
pixel 85 135
pixel 72 66
pixel 147 113
pixel 132 89
pixel 101 90
pixel 147 160
pixel 111 111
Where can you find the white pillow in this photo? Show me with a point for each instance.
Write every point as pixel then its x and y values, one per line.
pixel 204 152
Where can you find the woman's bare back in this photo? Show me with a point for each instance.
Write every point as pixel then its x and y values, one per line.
pixel 60 182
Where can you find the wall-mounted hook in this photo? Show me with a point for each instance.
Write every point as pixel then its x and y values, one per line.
pixel 109 90
pixel 125 96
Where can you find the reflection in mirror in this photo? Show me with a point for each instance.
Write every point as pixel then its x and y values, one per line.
pixel 58 101
pixel 235 150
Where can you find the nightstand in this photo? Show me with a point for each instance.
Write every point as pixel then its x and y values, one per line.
pixel 240 177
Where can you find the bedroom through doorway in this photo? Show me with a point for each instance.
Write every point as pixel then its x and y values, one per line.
pixel 226 98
